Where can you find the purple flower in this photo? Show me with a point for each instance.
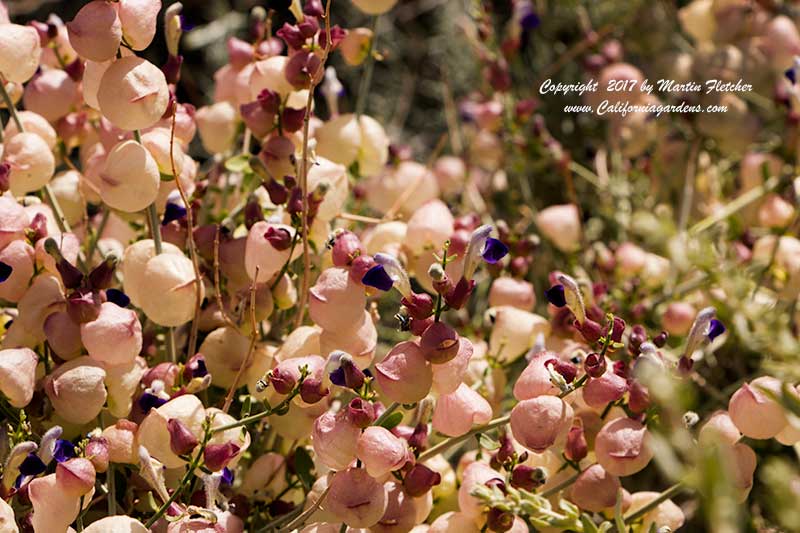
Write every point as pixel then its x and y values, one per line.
pixel 32 465
pixel 63 450
pixel 715 329
pixel 173 212
pixel 555 295
pixel 199 369
pixel 378 277
pixel 337 377
pixel 227 476
pixel 790 75
pixel 148 401
pixel 5 271
pixel 116 296
pixel 494 251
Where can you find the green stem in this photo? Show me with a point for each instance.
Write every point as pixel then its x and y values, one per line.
pixel 389 410
pixel 452 441
pixel 366 81
pixel 179 489
pixel 753 195
pixel 664 496
pixel 259 416
pixel 561 486
pixel 98 233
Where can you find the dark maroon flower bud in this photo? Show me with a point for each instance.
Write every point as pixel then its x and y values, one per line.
pixel 282 381
pixel 181 440
pixel 617 329
pixel 38 227
pixel 661 339
pixel 5 177
pixel 439 343
pixel 279 238
pixel 302 68
pixel 685 365
pixel 259 121
pixel 308 27
pixel 102 275
pixel 361 413
pixel 43 30
pixel 346 247
pixel 576 448
pixel 638 397
pixel 591 330
pixel 240 506
pixel 498 520
pixel 278 194
pixel 419 437
pixel 594 366
pixel 97 453
pixel 506 451
pixel 240 52
pixel 313 8
pixel 353 376
pixel 217 456
pixel 420 479
pixel 636 338
pixel 360 266
pixel 499 77
pixel 270 101
pixel 567 370
pixel 75 70
pixel 418 326
pixel 292 36
pixel 620 368
pixel 172 69
pixel 279 507
pixel 458 296
pixel 83 306
pixel 519 267
pixel 312 391
pixel 295 204
pixel 253 213
pixel 420 305
pixel 527 478
pixel 292 119
pixel 337 36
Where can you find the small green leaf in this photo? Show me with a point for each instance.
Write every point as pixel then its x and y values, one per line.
pixel 588 525
pixel 392 420
pixel 488 443
pixel 304 465
pixel 618 520
pixel 238 163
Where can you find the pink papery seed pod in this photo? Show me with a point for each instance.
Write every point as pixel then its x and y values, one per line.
pixel 30 161
pixel 595 489
pixel 600 391
pixel 54 509
pixel 265 249
pixel 114 337
pixel 356 498
pixel 76 476
pixel 96 32
pixel 336 302
pixel 121 439
pixel 335 440
pixel 456 413
pixel 133 93
pixel 153 432
pixel 561 225
pixel 404 375
pixel 116 524
pixel 475 475
pixel 77 390
pixel 448 376
pixel 678 318
pixel 172 280
pixel 374 7
pixel 535 379
pixel 755 413
pixel 346 247
pixel 129 180
pixel 18 256
pixel 429 227
pixel 139 18
pixel 97 453
pixel 718 429
pixel 18 375
pixel 665 515
pixel 20 49
pixel 514 292
pixel 439 343
pixel 381 452
pixel 623 447
pixel 541 422
pixel 217 127
pixel 51 94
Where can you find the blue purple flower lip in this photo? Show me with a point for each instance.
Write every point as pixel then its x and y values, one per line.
pixel 378 278
pixel 173 212
pixel 5 271
pixel 715 329
pixel 63 450
pixel 494 251
pixel 555 295
pixel 117 297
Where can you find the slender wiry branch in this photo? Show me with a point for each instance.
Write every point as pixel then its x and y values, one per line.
pixel 304 169
pixel 250 349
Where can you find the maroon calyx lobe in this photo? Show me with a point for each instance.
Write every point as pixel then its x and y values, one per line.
pixel 279 238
